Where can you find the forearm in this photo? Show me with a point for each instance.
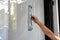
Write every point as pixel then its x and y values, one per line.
pixel 48 32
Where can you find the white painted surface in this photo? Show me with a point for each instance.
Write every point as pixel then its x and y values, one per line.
pixel 21 32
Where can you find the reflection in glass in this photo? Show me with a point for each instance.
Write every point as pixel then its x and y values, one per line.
pixel 3 19
pixel 13 14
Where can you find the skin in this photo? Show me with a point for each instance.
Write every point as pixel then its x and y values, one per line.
pixel 47 31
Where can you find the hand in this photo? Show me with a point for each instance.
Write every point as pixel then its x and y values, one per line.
pixel 35 19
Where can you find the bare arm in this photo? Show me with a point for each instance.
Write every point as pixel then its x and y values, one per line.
pixel 48 32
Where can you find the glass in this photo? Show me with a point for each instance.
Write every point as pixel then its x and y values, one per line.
pixel 4 19
pixel 13 14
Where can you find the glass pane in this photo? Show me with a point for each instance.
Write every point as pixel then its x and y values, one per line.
pixel 13 14
pixel 3 19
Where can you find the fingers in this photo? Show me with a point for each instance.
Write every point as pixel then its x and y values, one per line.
pixel 33 17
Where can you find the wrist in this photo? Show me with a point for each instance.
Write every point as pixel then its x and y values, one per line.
pixel 38 22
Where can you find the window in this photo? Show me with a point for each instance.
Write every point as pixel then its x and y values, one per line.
pixel 48 14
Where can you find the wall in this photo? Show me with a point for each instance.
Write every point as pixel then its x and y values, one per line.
pixel 21 32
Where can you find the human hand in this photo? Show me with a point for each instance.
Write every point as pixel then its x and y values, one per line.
pixel 35 19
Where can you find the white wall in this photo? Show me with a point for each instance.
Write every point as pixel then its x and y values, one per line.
pixel 21 32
